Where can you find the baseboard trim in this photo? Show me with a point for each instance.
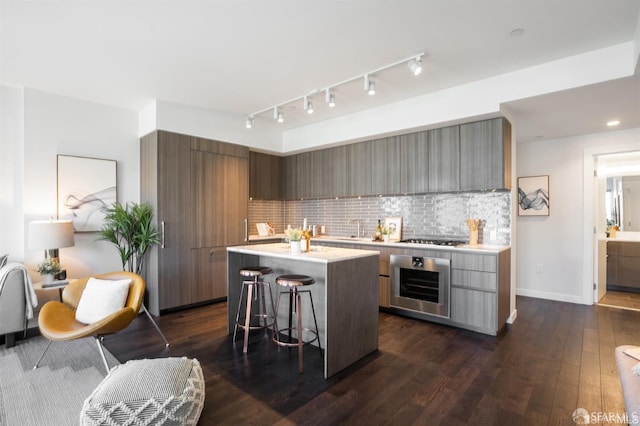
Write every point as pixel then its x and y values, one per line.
pixel 549 296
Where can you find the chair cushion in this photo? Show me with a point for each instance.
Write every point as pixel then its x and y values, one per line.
pixel 167 391
pixel 101 298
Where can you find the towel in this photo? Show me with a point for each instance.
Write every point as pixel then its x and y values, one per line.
pixel 29 292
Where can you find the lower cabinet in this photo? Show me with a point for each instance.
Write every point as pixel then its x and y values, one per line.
pixel 623 266
pixel 480 290
pixel 208 273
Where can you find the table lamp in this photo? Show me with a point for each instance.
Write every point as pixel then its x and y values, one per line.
pixel 51 235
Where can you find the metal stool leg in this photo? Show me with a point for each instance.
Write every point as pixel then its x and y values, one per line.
pixel 300 331
pixel 247 318
pixel 235 327
pixel 104 359
pixel 315 321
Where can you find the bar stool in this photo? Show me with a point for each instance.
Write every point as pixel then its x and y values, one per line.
pixel 293 282
pixel 256 282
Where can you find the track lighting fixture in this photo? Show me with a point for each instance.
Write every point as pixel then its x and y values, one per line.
pixel 278 115
pixel 330 98
pixel 369 85
pixel 415 65
pixel 308 105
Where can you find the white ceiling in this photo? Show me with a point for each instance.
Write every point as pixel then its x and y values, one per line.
pixel 244 56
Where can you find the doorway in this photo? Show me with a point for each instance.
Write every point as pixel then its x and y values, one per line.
pixel 614 206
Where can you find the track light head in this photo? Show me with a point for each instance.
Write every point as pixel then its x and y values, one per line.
pixel 249 122
pixel 308 105
pixel 415 65
pixel 280 117
pixel 369 85
pixel 330 98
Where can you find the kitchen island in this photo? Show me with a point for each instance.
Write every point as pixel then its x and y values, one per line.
pixel 345 294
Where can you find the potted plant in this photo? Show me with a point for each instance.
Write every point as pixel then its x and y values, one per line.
pixel 386 232
pixel 294 235
pixel 47 270
pixel 131 230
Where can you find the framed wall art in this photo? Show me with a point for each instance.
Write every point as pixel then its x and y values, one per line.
pixel 85 187
pixel 533 196
pixel 395 227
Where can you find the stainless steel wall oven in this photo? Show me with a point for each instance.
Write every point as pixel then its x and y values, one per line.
pixel 420 286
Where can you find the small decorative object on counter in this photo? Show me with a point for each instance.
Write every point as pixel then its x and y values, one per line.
pixel 385 234
pixel 377 236
pixel 473 225
pixel 294 235
pixel 307 238
pixel 611 231
pixel 47 270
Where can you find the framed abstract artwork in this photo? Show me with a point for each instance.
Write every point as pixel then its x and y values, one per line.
pixel 533 196
pixel 85 187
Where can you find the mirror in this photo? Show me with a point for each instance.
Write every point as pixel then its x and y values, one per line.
pixel 621 189
pixel 622 202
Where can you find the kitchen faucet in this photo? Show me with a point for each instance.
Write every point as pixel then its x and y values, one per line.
pixel 356 222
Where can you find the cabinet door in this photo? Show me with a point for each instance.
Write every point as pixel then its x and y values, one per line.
pixel 385 166
pixel 235 200
pixel 414 163
pixel 444 159
pixel 219 202
pixel 336 167
pixel 290 176
pixel 384 291
pixel 208 272
pixel 477 309
pixel 164 157
pixel 265 176
pixel 483 155
pixel 360 169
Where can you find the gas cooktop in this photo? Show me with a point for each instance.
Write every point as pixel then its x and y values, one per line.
pixel 434 241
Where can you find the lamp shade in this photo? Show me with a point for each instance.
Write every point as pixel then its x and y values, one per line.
pixel 50 234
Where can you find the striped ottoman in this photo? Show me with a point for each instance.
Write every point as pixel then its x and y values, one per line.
pixel 163 391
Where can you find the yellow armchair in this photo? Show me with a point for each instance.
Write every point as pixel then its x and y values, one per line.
pixel 57 321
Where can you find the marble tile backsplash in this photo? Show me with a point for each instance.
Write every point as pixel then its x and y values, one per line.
pixel 437 215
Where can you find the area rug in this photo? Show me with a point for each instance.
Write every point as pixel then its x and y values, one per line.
pixel 53 393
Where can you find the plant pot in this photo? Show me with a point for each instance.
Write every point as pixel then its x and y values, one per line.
pixel 294 247
pixel 385 238
pixel 47 278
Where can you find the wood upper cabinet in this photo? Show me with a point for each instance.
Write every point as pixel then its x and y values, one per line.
pixel 385 166
pixel 485 155
pixel 265 176
pixel 360 169
pixel 414 163
pixel 444 159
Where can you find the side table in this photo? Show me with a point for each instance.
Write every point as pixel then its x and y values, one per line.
pixel 58 285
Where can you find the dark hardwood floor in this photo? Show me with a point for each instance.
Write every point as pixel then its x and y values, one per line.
pixel 556 357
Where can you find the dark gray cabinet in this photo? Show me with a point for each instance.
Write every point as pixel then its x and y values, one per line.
pixel 474 156
pixel 199 190
pixel 265 176
pixel 414 163
pixel 444 159
pixel 485 155
pixel 623 265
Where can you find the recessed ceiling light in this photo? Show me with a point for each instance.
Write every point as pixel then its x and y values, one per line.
pixel 613 123
pixel 517 32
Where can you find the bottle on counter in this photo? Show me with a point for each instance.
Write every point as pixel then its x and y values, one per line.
pixel 307 239
pixel 378 235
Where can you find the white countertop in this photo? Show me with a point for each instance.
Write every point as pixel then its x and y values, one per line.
pixel 318 254
pixel 479 248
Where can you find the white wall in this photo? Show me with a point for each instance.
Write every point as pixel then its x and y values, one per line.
pixel 557 242
pixel 11 180
pixel 59 125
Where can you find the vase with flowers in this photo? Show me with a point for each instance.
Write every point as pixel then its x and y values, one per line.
pixel 294 235
pixel 47 270
pixel 386 234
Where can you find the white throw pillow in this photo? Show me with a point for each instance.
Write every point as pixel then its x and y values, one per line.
pixel 101 298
